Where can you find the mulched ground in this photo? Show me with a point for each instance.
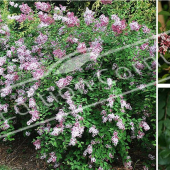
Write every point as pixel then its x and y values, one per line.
pixel 20 154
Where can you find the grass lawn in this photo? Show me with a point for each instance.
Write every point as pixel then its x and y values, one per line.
pixel 2 167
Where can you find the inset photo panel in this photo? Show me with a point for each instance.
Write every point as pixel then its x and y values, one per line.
pixel 164 42
pixel 164 128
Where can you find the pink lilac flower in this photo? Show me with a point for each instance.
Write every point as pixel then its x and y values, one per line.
pixel 31 92
pixel 25 8
pixel 4 107
pixel 134 26
pixel 152 50
pixel 72 40
pixel 111 156
pixel 119 25
pixel 82 48
pixel 112 117
pixel 120 124
pixel 10 69
pixel 77 130
pixel 73 141
pixel 59 15
pixel 12 77
pixel 94 131
pixel 59 53
pixel 63 8
pixel 64 82
pixel 103 112
pixel 40 130
pixel 128 165
pixel 20 100
pixel 9 53
pixel 52 157
pixel 140 135
pixel 20 42
pixel 16 5
pixel 2 61
pixel 1 71
pixel 154 65
pixel 42 24
pixel 81 86
pixel 146 29
pixel 23 17
pixel 71 20
pixel 51 88
pixel 111 101
pixel 35 114
pixel 88 16
pixel 89 150
pixel 11 3
pixel 46 7
pixel 139 65
pixel 115 138
pixel 46 19
pixel 104 20
pixel 144 46
pixel 104 119
pixel 132 124
pixel 95 48
pixel 32 103
pixel 41 39
pixel 50 99
pixel 2 32
pixel 106 1
pixel 31 65
pixel 5 125
pixel 56 131
pixel 60 116
pixel 144 125
pixel 126 105
pixel 6 91
pixel 37 144
pixel 100 168
pixel 109 82
pixel 38 74
pixel 93 160
pixel 141 86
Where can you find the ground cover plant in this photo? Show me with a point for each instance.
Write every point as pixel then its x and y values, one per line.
pixel 82 86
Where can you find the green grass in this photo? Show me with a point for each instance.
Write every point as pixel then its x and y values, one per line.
pixel 3 167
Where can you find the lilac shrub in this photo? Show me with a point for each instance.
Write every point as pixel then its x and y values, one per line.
pixel 80 83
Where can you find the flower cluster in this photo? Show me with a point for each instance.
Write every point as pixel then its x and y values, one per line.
pixel 115 138
pixel 164 43
pixel 119 25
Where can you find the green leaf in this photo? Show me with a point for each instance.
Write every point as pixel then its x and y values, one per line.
pixel 167 123
pixel 168 23
pixel 165 13
pixel 165 153
pixel 163 161
pixel 160 127
pixel 159 25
